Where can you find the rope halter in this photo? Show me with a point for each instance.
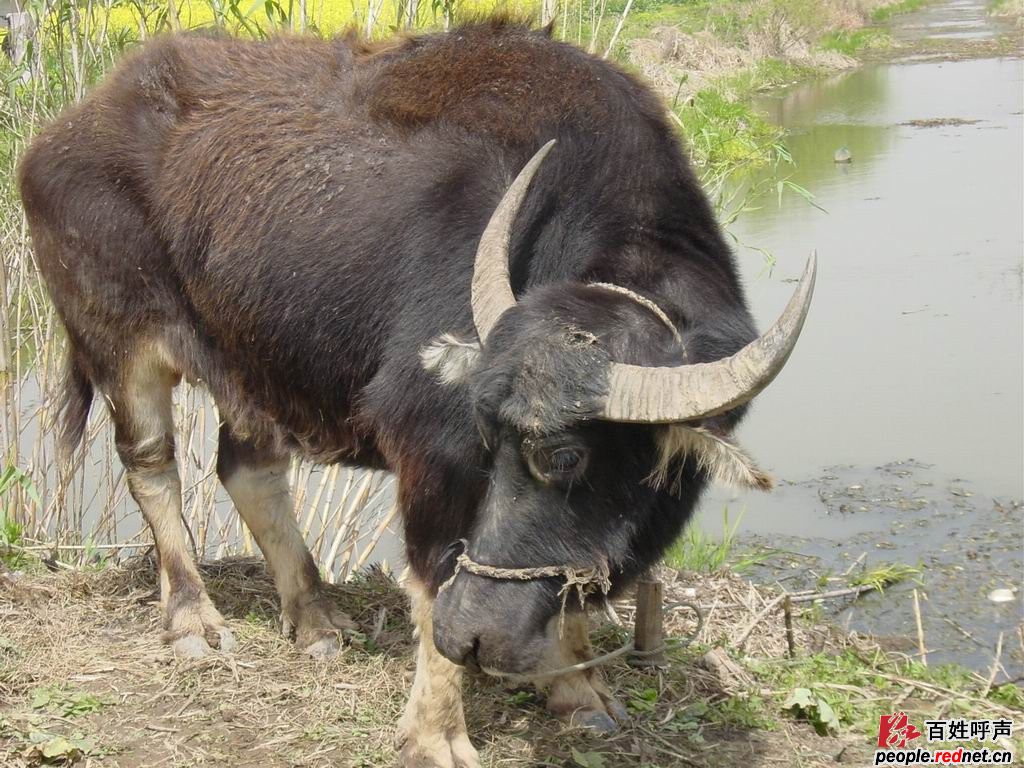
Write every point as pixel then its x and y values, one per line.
pixel 586 580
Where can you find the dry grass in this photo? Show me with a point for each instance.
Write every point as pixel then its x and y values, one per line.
pixel 342 512
pixel 669 54
pixel 96 633
pixel 737 35
pixel 700 60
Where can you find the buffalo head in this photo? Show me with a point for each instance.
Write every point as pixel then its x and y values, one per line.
pixel 601 437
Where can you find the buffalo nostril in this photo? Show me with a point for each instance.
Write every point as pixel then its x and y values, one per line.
pixel 445 566
pixel 471 660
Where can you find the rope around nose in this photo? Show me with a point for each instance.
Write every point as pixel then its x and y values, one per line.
pixel 585 581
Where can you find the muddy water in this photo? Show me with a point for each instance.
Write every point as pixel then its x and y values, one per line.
pixel 914 349
pixel 957 20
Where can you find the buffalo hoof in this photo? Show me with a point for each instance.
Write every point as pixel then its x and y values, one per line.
pixel 600 721
pixel 594 720
pixel 616 710
pixel 226 641
pixel 320 628
pixel 437 750
pixel 196 647
pixel 586 704
pixel 195 628
pixel 191 647
pixel 323 648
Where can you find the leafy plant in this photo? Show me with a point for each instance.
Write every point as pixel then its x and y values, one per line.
pixel 644 701
pixel 53 749
pixel 804 703
pixel 67 703
pixel 11 531
pixel 1008 694
pixel 588 759
pixel 689 721
pixel 12 478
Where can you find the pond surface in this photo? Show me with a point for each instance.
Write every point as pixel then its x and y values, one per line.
pixel 957 20
pixel 914 348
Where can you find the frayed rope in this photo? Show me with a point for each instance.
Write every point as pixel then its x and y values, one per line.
pixel 585 581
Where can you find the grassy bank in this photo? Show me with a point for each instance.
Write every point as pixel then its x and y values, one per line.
pixel 1007 8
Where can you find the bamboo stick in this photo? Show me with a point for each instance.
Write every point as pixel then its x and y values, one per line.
pixel 920 631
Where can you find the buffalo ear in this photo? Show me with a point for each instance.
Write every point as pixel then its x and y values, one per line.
pixel 715 454
pixel 451 359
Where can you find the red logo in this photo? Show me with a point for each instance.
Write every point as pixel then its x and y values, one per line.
pixel 895 730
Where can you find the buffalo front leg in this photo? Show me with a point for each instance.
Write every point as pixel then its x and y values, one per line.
pixel 256 479
pixel 432 732
pixel 140 407
pixel 580 698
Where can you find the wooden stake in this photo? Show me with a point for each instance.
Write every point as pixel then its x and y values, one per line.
pixel 787 612
pixel 648 632
pixel 920 631
pixel 996 664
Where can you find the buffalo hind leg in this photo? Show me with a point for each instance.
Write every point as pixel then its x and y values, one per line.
pixel 581 698
pixel 432 732
pixel 140 407
pixel 256 479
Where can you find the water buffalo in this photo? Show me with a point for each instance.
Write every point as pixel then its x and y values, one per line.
pixel 477 259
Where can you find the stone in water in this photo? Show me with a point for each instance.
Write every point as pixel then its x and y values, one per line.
pixel 1001 595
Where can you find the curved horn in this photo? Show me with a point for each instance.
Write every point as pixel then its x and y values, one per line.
pixel 492 290
pixel 665 395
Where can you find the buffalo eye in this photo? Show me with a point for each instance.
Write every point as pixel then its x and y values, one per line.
pixel 555 463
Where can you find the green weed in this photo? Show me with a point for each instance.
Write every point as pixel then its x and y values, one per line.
pixel 885 575
pixel 854 42
pixel 13 481
pixel 886 12
pixel 522 698
pixel 765 75
pixel 13 478
pixel 1009 695
pixel 643 701
pixel 1006 8
pixel 750 712
pixel 67 703
pixel 729 141
pixel 698 552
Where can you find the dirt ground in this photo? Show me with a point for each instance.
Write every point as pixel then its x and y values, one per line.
pixel 84 677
